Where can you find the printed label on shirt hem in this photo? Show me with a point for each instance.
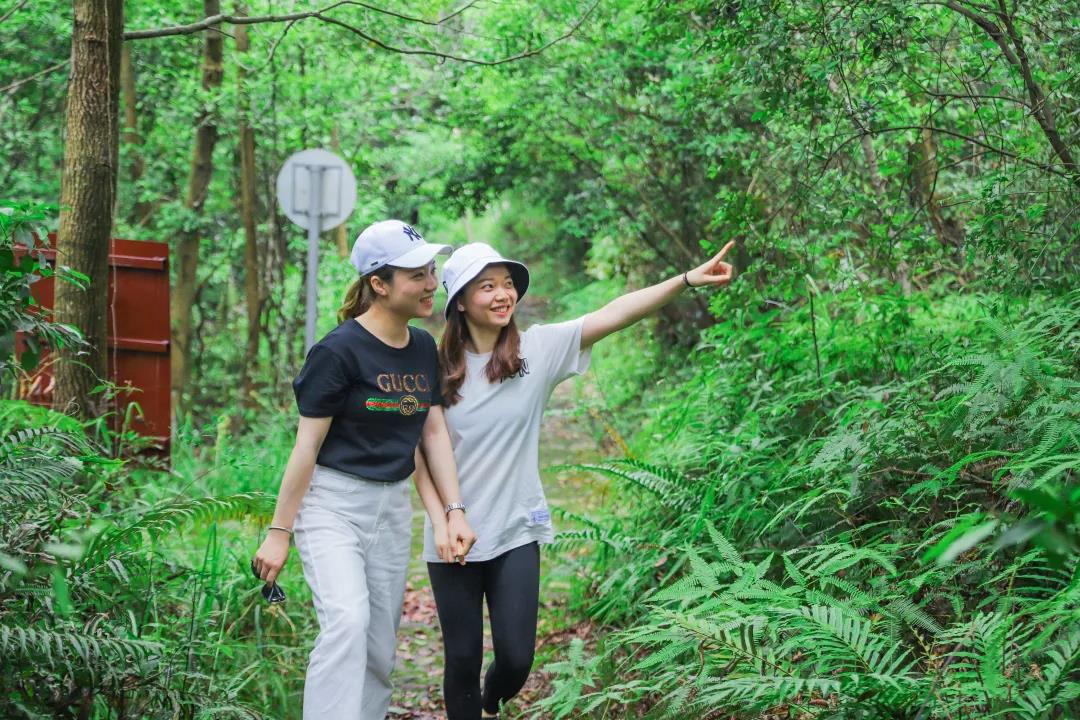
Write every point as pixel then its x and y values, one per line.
pixel 539 517
pixel 407 405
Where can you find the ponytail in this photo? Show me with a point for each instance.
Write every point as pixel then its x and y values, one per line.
pixel 360 295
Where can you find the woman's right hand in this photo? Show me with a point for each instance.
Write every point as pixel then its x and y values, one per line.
pixel 461 536
pixel 272 555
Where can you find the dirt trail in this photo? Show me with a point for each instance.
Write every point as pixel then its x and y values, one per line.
pixel 568 436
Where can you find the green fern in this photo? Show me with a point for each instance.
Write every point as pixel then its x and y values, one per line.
pixel 670 488
pixel 1056 684
pixel 170 516
pixel 60 647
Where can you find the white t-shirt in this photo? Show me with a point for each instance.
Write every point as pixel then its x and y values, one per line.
pixel 495 431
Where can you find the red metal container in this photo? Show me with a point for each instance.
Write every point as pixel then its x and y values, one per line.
pixel 138 331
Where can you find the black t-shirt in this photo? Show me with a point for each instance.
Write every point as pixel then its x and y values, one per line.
pixel 377 395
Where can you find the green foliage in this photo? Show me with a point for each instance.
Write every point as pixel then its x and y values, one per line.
pixel 22 263
pixel 857 498
pixel 99 597
pixel 861 582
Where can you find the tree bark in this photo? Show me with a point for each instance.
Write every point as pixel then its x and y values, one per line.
pixel 866 142
pixel 133 139
pixel 187 255
pixel 88 197
pixel 924 175
pixel 341 233
pixel 248 210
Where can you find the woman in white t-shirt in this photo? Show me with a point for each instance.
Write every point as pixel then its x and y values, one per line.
pixel 495 384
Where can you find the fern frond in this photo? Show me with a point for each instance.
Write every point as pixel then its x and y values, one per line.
pixel 766 690
pixel 669 487
pixel 58 647
pixel 21 440
pixel 844 642
pixel 174 514
pixel 1056 685
pixel 912 615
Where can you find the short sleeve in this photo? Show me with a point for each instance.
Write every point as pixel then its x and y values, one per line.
pixel 322 386
pixel 558 346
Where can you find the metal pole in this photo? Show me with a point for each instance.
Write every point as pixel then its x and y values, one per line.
pixel 315 214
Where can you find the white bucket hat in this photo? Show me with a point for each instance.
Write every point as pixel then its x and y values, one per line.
pixel 468 261
pixel 392 242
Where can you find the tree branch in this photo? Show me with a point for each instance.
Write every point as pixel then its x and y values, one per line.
pixel 40 73
pixel 12 11
pixel 321 14
pixel 457 12
pixel 970 96
pixel 989 26
pixel 1040 107
pixel 457 58
pixel 222 18
pixel 1016 55
pixel 1000 151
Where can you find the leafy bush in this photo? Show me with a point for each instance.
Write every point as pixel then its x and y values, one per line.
pixel 837 489
pixel 22 263
pixel 102 611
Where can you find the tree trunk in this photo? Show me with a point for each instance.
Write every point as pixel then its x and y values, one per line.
pixel 924 175
pixel 133 139
pixel 866 142
pixel 248 210
pixel 341 233
pixel 88 197
pixel 187 255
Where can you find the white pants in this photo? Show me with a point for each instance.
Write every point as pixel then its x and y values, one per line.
pixel 353 538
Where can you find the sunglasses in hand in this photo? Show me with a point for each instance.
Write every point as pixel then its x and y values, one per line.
pixel 271 592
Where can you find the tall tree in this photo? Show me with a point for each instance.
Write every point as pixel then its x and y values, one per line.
pixel 202 167
pixel 341 232
pixel 141 209
pixel 91 156
pixel 88 195
pixel 248 209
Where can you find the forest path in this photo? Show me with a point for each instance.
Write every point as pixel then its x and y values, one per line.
pixel 568 435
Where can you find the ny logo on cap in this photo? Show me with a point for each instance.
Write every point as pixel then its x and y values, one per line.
pixel 412 234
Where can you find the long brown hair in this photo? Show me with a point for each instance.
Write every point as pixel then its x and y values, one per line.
pixel 505 360
pixel 360 295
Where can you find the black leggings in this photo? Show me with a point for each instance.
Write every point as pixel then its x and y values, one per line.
pixel 511 583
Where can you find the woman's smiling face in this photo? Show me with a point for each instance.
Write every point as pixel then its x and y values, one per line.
pixel 490 298
pixel 413 291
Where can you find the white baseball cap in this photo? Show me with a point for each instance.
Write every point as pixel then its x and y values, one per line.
pixel 392 242
pixel 468 261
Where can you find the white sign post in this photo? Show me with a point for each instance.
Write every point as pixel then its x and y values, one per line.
pixel 317 191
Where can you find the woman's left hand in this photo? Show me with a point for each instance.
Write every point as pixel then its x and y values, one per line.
pixel 443 548
pixel 713 273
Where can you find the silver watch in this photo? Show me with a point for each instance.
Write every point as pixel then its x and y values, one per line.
pixel 455 506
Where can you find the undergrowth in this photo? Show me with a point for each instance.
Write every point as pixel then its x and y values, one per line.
pixel 805 545
pixel 124 590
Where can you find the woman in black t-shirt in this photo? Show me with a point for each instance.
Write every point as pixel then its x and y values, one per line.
pixel 368 394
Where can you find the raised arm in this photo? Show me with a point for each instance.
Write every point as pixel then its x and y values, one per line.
pixel 625 310
pixel 435 444
pixel 274 550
